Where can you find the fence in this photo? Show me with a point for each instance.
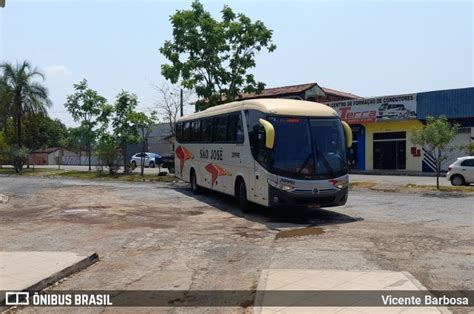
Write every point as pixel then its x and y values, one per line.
pixel 76 161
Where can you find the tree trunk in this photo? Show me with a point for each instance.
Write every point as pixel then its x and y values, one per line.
pixel 124 153
pixel 438 170
pixel 19 128
pixel 89 155
pixel 142 160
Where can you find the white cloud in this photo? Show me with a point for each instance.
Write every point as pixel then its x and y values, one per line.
pixel 56 70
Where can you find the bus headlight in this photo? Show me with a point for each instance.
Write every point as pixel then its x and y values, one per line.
pixel 340 184
pixel 280 186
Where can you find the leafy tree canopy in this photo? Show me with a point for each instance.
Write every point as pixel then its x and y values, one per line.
pixel 435 138
pixel 214 57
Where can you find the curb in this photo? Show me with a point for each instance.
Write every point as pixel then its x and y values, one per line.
pixel 48 281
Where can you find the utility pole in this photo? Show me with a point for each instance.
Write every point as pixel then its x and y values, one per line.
pixel 181 100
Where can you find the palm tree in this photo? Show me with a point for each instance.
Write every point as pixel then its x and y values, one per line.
pixel 26 95
pixel 5 103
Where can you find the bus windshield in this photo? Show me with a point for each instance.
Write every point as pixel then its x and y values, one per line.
pixel 308 148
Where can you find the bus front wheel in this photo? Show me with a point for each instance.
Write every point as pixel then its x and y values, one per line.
pixel 194 186
pixel 242 197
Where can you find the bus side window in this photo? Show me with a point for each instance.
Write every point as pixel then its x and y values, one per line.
pixel 235 133
pixel 220 129
pixel 179 132
pixel 239 129
pixel 196 131
pixel 253 127
pixel 206 130
pixel 187 132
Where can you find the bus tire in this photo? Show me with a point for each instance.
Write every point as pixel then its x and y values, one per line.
pixel 194 186
pixel 242 197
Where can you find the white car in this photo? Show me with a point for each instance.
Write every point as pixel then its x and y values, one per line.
pixel 461 172
pixel 149 160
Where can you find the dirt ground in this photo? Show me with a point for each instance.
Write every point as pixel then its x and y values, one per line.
pixel 160 236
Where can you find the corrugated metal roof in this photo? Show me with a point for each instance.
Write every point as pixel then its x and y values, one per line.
pixel 453 103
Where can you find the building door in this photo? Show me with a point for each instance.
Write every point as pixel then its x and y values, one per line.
pixel 390 150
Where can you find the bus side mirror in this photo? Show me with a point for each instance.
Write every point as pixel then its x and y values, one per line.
pixel 269 133
pixel 347 133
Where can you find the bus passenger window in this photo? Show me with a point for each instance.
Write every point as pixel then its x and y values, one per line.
pixel 187 132
pixel 253 125
pixel 235 133
pixel 196 131
pixel 239 130
pixel 179 132
pixel 206 130
pixel 220 129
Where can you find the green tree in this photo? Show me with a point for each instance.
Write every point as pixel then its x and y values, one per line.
pixel 123 127
pixel 107 151
pixel 144 125
pixel 4 149
pixel 435 138
pixel 5 103
pixel 41 131
pixel 89 109
pixel 21 94
pixel 468 148
pixel 26 95
pixel 77 141
pixel 214 57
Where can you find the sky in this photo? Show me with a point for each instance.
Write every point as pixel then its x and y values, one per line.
pixel 369 48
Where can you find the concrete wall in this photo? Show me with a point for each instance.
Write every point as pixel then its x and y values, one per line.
pixel 412 163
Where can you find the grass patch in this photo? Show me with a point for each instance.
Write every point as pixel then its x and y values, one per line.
pixel 89 175
pixel 442 188
pixel 129 177
pixel 362 185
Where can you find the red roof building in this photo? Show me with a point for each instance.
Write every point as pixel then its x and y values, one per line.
pixel 309 91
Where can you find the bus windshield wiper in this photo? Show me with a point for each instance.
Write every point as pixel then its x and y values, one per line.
pixel 305 162
pixel 323 158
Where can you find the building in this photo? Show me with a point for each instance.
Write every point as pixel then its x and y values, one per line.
pixel 160 140
pixel 309 91
pixel 382 127
pixel 50 156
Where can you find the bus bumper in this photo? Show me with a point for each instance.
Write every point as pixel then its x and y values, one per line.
pixel 279 198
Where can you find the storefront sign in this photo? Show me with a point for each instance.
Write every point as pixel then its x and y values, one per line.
pixel 376 109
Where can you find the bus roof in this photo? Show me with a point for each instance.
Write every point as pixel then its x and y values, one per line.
pixel 278 106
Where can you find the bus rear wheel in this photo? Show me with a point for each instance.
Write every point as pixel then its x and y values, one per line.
pixel 194 186
pixel 242 197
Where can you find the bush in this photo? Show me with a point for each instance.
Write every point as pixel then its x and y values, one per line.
pixel 19 156
pixel 108 151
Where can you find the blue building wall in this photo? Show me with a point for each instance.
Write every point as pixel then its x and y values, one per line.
pixel 453 103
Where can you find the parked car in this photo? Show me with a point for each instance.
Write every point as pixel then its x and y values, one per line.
pixel 461 172
pixel 149 159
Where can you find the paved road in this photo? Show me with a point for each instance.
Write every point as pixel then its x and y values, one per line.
pixel 158 236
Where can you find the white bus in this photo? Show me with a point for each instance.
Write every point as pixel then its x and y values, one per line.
pixel 273 152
